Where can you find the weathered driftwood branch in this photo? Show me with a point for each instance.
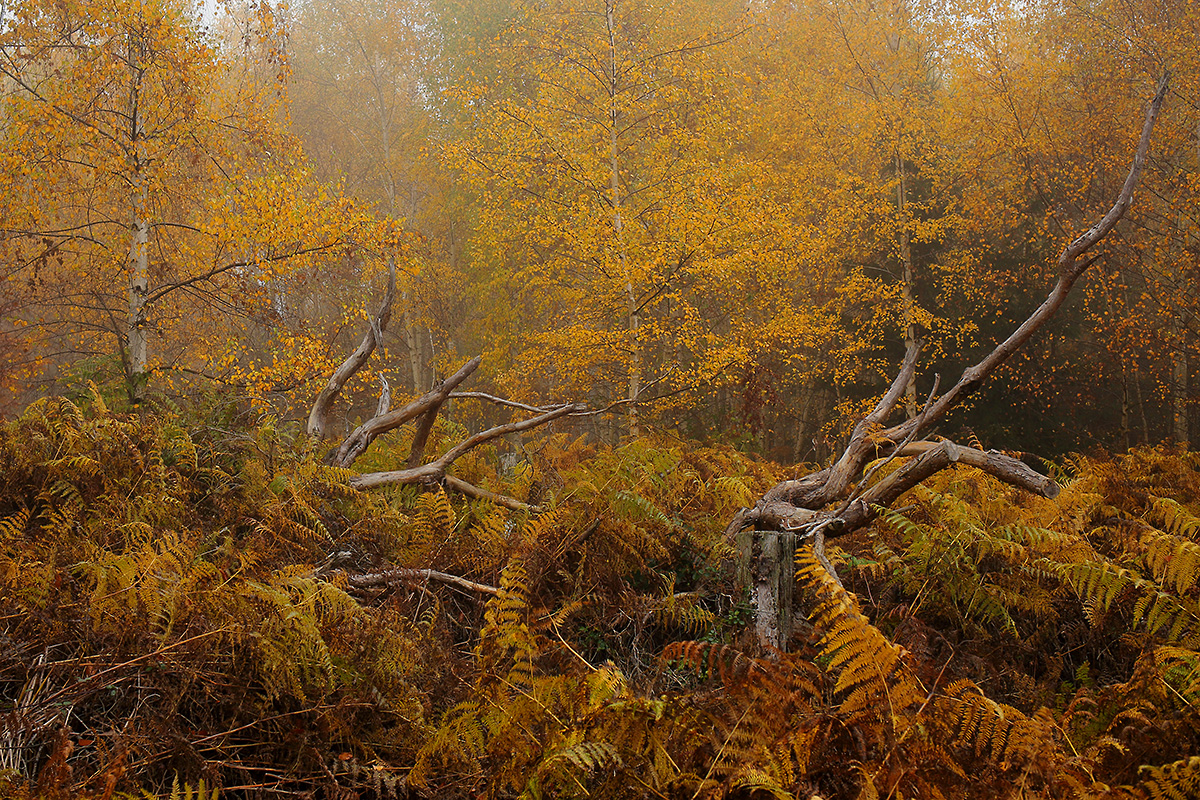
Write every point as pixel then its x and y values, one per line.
pixel 435 471
pixel 388 577
pixel 828 503
pixel 801 505
pixel 355 361
pixel 360 439
pixel 424 409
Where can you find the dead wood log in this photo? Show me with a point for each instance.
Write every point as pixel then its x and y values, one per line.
pixel 828 503
pixel 424 410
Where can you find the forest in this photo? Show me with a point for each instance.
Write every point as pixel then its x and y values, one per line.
pixel 599 398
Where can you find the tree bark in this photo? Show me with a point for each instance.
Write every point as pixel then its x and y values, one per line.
pixel 908 289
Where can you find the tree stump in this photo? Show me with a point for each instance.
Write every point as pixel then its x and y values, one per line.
pixel 767 564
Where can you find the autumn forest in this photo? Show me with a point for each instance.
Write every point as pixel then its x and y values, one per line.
pixel 599 398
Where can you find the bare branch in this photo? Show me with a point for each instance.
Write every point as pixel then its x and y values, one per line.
pixel 471 490
pixel 355 361
pixel 503 430
pixel 360 439
pixel 861 445
pixel 408 575
pixel 1069 272
pixel 435 471
pixel 932 458
pixel 804 504
pixel 500 401
pixel 385 397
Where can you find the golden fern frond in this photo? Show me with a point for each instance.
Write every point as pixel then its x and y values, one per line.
pixel 723 661
pixel 185 791
pixel 1179 668
pixel 1177 781
pixel 13 526
pixel 732 492
pixel 1173 560
pixel 564 766
pixel 1098 581
pixel 752 781
pixel 545 528
pixel 489 532
pixel 438 515
pixel 1174 517
pixel 1166 616
pixel 871 677
pixel 975 721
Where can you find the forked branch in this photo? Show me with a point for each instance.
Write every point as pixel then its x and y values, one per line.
pixel 826 500
pixel 355 361
pixel 424 410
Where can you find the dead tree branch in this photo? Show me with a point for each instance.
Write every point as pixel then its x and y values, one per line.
pixel 807 504
pixel 435 471
pixel 354 362
pixel 360 439
pixel 424 409
pixel 395 575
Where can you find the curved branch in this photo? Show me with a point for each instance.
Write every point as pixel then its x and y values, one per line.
pixel 1069 271
pixel 360 439
pixel 355 361
pixel 435 471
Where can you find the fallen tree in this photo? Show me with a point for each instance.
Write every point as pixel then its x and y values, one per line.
pixel 841 499
pixel 424 411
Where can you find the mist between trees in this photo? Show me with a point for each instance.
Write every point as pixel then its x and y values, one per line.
pixel 457 399
pixel 736 219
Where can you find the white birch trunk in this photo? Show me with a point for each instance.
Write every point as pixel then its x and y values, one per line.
pixel 138 266
pixel 633 321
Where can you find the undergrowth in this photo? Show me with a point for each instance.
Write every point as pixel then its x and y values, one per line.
pixel 190 610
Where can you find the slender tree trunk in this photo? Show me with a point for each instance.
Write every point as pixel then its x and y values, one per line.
pixel 1141 404
pixel 411 338
pixel 633 321
pixel 909 290
pixel 1125 437
pixel 414 349
pixel 1179 387
pixel 138 267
